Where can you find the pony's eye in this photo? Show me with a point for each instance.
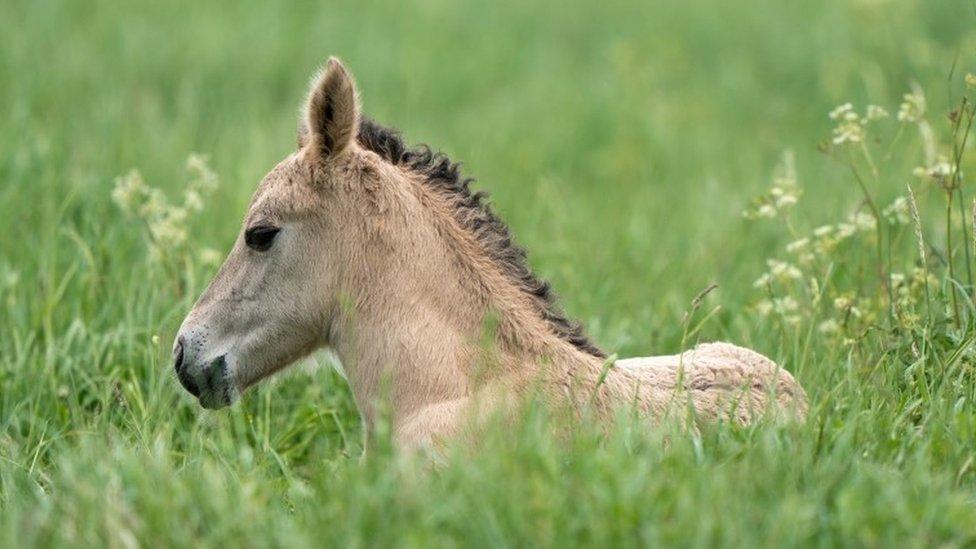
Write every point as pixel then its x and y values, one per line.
pixel 260 238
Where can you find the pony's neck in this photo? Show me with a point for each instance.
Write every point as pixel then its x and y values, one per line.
pixel 403 358
pixel 442 318
pixel 426 338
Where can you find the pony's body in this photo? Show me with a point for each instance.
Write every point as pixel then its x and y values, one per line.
pixel 382 253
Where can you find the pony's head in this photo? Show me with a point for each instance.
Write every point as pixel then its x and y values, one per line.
pixel 351 221
pixel 272 300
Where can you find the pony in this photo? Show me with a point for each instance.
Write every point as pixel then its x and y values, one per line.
pixel 382 253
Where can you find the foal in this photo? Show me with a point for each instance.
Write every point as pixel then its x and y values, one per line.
pixel 383 254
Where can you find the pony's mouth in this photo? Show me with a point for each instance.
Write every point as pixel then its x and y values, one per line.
pixel 210 383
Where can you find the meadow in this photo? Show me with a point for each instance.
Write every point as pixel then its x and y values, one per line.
pixel 641 151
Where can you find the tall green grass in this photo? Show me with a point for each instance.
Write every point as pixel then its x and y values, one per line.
pixel 622 141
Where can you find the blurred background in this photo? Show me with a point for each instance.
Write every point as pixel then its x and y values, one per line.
pixel 620 140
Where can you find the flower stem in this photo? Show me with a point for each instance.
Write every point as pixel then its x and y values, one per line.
pixel 885 282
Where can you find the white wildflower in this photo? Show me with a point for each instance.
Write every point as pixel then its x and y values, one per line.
pixel 912 109
pixel 850 126
pixel 874 112
pixel 202 177
pixel 167 223
pixel 785 305
pixel 829 326
pixel 129 191
pixel 823 231
pixel 849 131
pixel 863 221
pixel 841 111
pixel 942 169
pixel 797 245
pixel 783 193
pixel 766 210
pixel 169 230
pixel 786 200
pixel 154 204
pixel 845 230
pixel 193 201
pixel 782 270
pixel 897 212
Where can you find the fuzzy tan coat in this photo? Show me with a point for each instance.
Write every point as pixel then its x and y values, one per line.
pixel 382 253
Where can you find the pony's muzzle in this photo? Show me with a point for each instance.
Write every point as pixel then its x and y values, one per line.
pixel 181 371
pixel 208 381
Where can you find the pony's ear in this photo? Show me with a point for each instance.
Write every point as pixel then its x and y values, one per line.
pixel 331 119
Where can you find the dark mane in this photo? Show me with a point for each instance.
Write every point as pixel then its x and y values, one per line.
pixel 476 215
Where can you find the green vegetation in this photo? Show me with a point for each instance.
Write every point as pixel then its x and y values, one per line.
pixel 622 141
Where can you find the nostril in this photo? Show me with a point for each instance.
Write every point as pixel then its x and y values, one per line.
pixel 178 354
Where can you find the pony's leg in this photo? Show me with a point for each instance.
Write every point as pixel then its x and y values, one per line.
pixel 722 380
pixel 740 384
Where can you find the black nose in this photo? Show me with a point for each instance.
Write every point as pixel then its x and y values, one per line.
pixel 178 355
pixel 181 373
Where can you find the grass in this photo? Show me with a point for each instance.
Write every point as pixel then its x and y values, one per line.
pixel 621 141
